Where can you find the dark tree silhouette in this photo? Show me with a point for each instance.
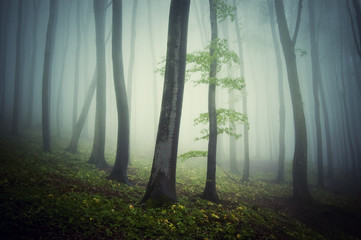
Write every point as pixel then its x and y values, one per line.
pixel 16 108
pixel 119 171
pixel 161 186
pixel 300 187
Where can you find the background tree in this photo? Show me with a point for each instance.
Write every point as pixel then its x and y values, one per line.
pixel 97 155
pixel 161 186
pixel 300 188
pixel 316 77
pixel 119 171
pixel 48 60
pixel 282 108
pixel 16 106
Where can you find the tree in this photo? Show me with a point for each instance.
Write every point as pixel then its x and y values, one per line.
pixel 316 77
pixel 119 171
pixel 210 192
pixel 97 155
pixel 161 186
pixel 30 104
pixel 299 174
pixel 76 69
pixel 356 33
pixel 48 61
pixel 282 111
pixel 15 121
pixel 244 100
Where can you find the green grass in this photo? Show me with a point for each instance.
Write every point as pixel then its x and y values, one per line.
pixel 60 196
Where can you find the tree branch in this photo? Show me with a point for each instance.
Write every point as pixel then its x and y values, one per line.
pixel 353 29
pixel 294 38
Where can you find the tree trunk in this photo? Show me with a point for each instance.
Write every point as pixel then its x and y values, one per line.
pixel 132 54
pixel 97 155
pixel 73 146
pixel 119 171
pixel 48 60
pixel 300 187
pixel 4 30
pixel 161 188
pixel 316 77
pixel 76 70
pixel 244 101
pixel 282 109
pixel 210 192
pixel 16 107
pixel 59 101
pixel 155 83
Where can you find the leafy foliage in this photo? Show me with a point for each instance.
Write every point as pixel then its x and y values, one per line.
pixel 192 154
pixel 227 120
pixel 224 10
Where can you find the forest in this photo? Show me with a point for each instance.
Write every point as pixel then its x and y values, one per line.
pixel 180 119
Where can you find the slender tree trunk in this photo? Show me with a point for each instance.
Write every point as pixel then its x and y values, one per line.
pixel 4 27
pixel 210 192
pixel 316 76
pixel 300 187
pixel 132 54
pixel 73 146
pixel 161 187
pixel 97 155
pixel 77 62
pixel 155 82
pixel 120 168
pixel 61 80
pixel 30 103
pixel 48 60
pixel 282 109
pixel 16 106
pixel 244 101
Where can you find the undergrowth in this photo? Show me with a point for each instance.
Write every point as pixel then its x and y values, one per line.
pixel 60 196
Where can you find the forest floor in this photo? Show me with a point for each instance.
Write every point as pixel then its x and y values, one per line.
pixel 60 196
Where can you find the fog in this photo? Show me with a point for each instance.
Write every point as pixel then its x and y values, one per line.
pixel 339 64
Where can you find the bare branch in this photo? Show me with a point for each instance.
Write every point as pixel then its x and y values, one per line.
pixel 294 38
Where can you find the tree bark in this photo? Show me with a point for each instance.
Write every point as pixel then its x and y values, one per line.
pixel 47 71
pixel 161 188
pixel 299 174
pixel 210 192
pixel 119 171
pixel 97 155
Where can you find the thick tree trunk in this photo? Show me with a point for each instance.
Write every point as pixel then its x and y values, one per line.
pixel 300 187
pixel 282 109
pixel 16 106
pixel 210 192
pixel 120 168
pixel 48 60
pixel 97 155
pixel 244 101
pixel 161 188
pixel 316 77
